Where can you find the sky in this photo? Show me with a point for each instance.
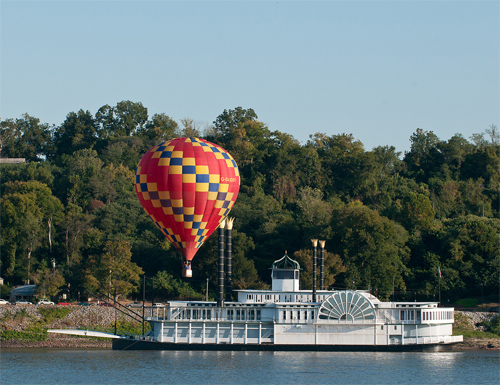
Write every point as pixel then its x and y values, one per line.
pixel 375 69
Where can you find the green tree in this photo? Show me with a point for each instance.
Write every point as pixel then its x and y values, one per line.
pixel 82 168
pixel 228 121
pixel 78 132
pixel 484 164
pixel 169 287
pixel 75 225
pixel 113 269
pixel 347 167
pixel 332 268
pixel 24 138
pixel 416 212
pixel 159 128
pixel 313 210
pixel 28 213
pixel 50 284
pixel 424 159
pixel 372 248
pixel 122 120
pixel 125 150
pixel 470 247
pixel 189 129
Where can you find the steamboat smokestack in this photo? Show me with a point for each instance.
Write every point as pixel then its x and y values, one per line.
pixel 220 283
pixel 229 272
pixel 322 266
pixel 315 266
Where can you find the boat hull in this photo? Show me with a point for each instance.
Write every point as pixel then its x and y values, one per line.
pixel 130 344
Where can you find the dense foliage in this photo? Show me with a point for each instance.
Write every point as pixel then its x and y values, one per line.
pixel 71 221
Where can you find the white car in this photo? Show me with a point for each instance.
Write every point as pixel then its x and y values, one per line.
pixel 3 302
pixel 45 302
pixel 158 305
pixel 23 302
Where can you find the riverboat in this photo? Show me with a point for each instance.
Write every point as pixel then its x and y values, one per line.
pixel 288 318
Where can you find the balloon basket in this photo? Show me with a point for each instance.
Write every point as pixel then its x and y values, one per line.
pixel 187 273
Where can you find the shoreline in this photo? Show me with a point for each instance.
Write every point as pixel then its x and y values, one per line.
pixel 68 342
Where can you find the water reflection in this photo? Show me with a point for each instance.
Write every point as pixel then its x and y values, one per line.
pixel 53 366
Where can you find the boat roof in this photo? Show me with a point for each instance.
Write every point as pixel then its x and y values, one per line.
pixel 286 263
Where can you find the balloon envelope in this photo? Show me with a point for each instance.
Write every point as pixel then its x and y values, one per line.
pixel 187 186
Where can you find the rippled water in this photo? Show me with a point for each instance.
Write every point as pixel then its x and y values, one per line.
pixel 61 366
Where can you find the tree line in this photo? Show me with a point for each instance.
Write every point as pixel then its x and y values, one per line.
pixel 393 223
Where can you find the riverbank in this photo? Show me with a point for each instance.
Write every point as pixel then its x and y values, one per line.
pixel 25 327
pixel 59 341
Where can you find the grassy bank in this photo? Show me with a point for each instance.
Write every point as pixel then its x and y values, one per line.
pixel 27 325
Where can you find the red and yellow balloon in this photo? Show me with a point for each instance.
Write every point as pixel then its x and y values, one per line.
pixel 187 186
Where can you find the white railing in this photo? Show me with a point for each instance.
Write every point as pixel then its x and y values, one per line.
pixel 425 340
pixel 175 314
pixel 385 316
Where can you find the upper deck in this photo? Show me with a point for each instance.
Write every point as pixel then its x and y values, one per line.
pixel 333 307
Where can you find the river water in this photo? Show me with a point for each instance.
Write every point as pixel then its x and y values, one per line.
pixel 65 366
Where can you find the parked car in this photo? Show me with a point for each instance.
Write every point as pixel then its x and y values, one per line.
pixel 64 303
pixel 45 302
pixel 134 304
pixel 3 302
pixel 85 304
pixel 105 304
pixel 158 305
pixel 23 302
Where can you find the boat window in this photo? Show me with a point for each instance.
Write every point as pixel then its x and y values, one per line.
pixel 258 315
pixel 209 315
pixel 230 314
pixel 251 315
pixel 238 315
pixel 283 274
pixel 284 314
pixel 402 317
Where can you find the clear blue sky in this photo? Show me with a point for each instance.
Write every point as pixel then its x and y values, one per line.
pixel 376 69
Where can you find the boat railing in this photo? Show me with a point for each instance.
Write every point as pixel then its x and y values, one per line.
pixel 175 315
pixel 385 316
pixel 425 340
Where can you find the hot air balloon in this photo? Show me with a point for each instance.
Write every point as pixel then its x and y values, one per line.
pixel 187 186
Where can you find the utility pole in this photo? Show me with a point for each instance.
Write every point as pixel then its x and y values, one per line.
pixel 115 304
pixel 143 301
pixel 315 266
